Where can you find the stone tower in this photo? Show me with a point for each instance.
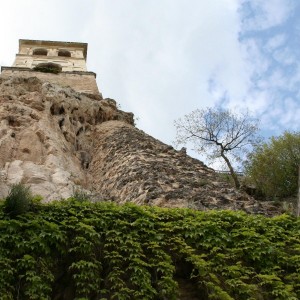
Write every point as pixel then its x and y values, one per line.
pixel 63 63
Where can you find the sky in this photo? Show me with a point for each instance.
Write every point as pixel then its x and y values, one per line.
pixel 163 59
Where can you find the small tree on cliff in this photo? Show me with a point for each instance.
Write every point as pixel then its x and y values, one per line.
pixel 218 133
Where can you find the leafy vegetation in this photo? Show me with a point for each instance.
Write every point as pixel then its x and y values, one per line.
pixel 18 201
pixel 273 166
pixel 48 68
pixel 81 250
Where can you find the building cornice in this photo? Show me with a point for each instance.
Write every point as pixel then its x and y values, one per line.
pixel 20 69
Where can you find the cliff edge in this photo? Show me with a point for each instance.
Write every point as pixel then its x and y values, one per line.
pixel 57 140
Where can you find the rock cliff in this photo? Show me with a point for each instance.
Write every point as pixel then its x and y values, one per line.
pixel 47 135
pixel 57 140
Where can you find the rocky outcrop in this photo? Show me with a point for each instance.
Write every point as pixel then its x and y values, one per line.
pixel 57 140
pixel 131 166
pixel 46 135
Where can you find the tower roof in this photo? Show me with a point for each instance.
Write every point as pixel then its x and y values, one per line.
pixel 55 43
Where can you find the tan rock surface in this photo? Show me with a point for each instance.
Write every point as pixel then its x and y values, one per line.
pixel 57 140
pixel 46 135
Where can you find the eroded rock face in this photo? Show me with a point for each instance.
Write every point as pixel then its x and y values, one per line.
pixel 57 140
pixel 46 135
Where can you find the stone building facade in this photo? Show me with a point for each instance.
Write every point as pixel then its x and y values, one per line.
pixel 62 63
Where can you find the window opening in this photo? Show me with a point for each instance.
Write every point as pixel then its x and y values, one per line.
pixel 48 68
pixel 40 52
pixel 64 53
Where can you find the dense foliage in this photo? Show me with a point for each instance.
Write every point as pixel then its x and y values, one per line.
pixel 80 250
pixel 273 166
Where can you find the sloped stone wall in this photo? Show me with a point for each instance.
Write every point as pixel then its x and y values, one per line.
pixel 57 140
pixel 132 166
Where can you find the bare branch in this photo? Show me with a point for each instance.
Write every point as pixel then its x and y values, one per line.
pixel 217 132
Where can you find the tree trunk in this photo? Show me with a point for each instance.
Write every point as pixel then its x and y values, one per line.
pixel 232 173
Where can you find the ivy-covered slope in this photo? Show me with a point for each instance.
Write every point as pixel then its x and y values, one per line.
pixel 81 250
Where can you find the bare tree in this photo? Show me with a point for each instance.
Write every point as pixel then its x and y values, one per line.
pixel 218 133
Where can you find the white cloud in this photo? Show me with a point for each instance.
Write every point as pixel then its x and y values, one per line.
pixel 265 14
pixel 282 115
pixel 157 58
pixel 275 42
pixel 272 63
pixel 284 56
pixel 291 112
pixel 162 59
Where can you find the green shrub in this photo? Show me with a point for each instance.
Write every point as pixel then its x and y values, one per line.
pixel 48 68
pixel 18 200
pixel 80 195
pixel 273 166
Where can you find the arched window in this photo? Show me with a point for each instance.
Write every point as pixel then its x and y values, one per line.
pixel 65 53
pixel 48 68
pixel 40 51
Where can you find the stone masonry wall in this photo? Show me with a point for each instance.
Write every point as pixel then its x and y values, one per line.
pixel 131 166
pixel 83 82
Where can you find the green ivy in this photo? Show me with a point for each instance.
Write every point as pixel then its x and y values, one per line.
pixel 47 69
pixel 81 250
